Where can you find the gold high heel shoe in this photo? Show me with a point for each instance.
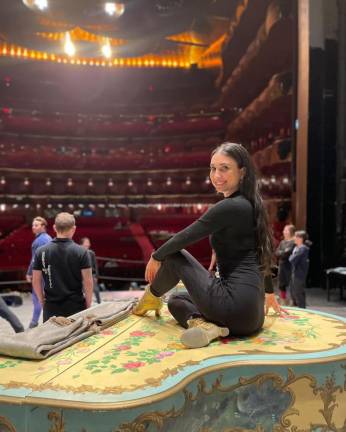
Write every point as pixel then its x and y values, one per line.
pixel 147 303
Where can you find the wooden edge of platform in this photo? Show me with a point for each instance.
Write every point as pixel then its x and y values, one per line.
pixel 113 406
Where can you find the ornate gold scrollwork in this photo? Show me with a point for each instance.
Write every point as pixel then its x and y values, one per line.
pixel 327 393
pixel 58 421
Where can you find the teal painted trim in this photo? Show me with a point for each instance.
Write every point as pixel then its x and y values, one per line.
pixel 170 382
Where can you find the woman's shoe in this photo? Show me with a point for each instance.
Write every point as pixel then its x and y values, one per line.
pixel 147 303
pixel 200 333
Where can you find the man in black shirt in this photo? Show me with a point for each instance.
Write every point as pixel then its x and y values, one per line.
pixel 66 270
pixel 85 242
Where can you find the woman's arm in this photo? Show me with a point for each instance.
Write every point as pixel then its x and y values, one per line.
pixel 279 250
pixel 193 233
pixel 270 298
pixel 296 256
pixel 216 218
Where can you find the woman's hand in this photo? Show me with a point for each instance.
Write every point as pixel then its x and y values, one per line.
pixel 271 302
pixel 212 262
pixel 151 269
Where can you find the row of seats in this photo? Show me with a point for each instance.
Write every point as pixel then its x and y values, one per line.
pixel 275 183
pixel 85 127
pixel 110 237
pixel 51 160
pixel 17 142
pixel 9 223
pixel 160 228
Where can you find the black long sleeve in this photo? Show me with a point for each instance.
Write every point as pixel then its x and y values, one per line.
pixel 268 284
pixel 284 249
pixel 225 213
pixel 230 225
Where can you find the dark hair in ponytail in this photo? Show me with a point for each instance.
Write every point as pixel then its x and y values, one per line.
pixel 249 188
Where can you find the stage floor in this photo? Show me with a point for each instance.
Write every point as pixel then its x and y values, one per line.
pixel 140 361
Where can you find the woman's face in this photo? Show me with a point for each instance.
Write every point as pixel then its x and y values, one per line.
pixel 287 233
pixel 225 174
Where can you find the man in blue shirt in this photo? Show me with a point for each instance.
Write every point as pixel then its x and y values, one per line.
pixel 39 227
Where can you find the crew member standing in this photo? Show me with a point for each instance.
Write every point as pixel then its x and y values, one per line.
pixel 66 270
pixel 39 227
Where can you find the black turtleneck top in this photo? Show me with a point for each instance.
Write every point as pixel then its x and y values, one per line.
pixel 231 226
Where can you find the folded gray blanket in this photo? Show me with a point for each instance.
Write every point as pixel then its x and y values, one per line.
pixel 58 332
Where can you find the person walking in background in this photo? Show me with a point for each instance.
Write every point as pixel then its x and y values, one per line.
pixel 85 242
pixel 283 252
pixel 8 315
pixel 39 228
pixel 66 270
pixel 299 260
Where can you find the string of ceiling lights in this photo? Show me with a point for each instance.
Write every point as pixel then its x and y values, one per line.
pixel 114 9
pixel 135 62
pixel 107 57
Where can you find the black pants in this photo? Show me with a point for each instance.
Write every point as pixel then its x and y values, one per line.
pixel 298 292
pixel 8 315
pixel 284 276
pixel 97 291
pixel 240 307
pixel 63 308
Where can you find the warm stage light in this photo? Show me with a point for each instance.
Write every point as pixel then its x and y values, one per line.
pixel 110 8
pixel 41 4
pixel 106 49
pixel 69 47
pixel 114 9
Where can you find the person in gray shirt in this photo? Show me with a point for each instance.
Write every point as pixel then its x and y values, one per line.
pixel 85 242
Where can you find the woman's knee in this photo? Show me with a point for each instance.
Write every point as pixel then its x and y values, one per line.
pixel 173 258
pixel 173 303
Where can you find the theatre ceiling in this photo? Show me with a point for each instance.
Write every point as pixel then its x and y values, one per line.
pixel 130 33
